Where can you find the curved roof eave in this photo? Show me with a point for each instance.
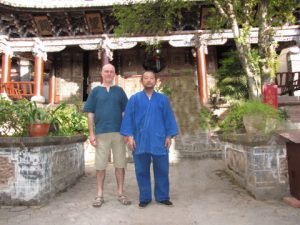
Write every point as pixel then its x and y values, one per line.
pixel 56 4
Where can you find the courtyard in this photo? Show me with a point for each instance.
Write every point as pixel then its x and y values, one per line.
pixel 201 191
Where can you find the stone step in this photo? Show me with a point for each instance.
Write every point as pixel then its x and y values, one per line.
pixel 288 100
pixel 293 110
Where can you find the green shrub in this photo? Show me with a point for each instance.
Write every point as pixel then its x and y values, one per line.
pixel 230 77
pixel 16 115
pixel 69 121
pixel 13 118
pixel 207 120
pixel 233 121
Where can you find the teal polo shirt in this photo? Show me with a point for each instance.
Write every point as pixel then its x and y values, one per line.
pixel 107 107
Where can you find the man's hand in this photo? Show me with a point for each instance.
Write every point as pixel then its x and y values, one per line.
pixel 168 142
pixel 131 143
pixel 92 139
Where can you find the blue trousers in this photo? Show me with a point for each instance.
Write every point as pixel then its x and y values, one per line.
pixel 161 176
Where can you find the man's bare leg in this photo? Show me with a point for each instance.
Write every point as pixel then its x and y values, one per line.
pixel 100 177
pixel 120 174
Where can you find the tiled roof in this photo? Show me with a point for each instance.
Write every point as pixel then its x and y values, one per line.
pixel 51 4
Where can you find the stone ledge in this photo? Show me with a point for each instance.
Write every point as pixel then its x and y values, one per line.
pixel 251 139
pixel 39 141
pixel 42 167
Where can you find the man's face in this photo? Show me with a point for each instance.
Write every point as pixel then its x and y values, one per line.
pixel 148 80
pixel 108 74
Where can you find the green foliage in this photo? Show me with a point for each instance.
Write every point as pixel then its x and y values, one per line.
pixel 165 89
pixel 16 115
pixel 11 119
pixel 149 17
pixel 279 13
pixel 283 114
pixel 42 114
pixel 233 121
pixel 76 101
pixel 207 120
pixel 69 121
pixel 214 21
pixel 242 16
pixel 230 77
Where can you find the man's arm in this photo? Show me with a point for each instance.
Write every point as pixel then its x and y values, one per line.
pixel 92 136
pixel 127 126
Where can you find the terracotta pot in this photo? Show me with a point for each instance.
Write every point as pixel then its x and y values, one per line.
pixel 38 129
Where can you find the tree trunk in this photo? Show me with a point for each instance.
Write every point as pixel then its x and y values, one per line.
pixel 253 81
pixel 265 43
pixel 244 51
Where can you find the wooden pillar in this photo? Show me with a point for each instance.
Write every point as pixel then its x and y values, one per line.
pixel 38 78
pixel 116 81
pixel 38 75
pixel 202 74
pixel 52 87
pixel 104 58
pixel 104 61
pixel 6 70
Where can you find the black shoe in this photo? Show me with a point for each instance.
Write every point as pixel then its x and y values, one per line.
pixel 166 203
pixel 143 204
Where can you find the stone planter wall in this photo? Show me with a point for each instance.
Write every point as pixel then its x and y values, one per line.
pixel 32 170
pixel 258 165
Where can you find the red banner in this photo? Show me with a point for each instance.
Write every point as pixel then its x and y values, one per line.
pixel 270 96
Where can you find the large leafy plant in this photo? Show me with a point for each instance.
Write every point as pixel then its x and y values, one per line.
pixel 69 121
pixel 233 122
pixel 230 77
pixel 41 114
pixel 15 116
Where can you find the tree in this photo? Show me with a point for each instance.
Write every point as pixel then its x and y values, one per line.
pixel 230 77
pixel 157 16
pixel 149 16
pixel 241 16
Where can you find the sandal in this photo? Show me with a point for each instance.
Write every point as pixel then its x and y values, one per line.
pixel 124 200
pixel 99 200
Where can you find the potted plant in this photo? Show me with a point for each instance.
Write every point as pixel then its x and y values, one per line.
pixel 40 118
pixel 18 117
pixel 253 117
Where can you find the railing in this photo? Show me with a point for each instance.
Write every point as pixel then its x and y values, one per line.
pixel 288 82
pixel 19 90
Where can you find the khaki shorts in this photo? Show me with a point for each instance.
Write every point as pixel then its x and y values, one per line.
pixel 106 142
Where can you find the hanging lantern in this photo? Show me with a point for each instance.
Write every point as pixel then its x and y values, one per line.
pixel 154 61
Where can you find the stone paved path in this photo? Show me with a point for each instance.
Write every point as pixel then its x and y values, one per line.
pixel 200 190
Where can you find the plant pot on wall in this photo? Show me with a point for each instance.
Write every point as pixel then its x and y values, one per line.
pixel 254 124
pixel 38 129
pixel 257 124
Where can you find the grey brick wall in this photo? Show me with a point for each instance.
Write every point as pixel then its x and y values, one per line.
pixel 39 172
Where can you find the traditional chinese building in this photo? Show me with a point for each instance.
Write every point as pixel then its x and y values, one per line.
pixel 52 50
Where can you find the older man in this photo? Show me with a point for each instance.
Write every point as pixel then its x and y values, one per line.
pixel 105 106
